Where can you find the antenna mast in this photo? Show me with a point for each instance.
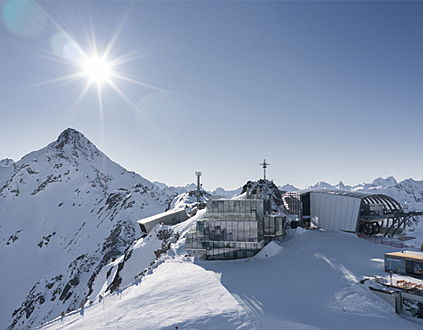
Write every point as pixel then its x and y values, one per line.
pixel 198 174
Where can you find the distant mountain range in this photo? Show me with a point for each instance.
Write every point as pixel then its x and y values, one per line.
pixel 67 211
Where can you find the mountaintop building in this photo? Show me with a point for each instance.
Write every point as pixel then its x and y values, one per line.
pixel 350 211
pixel 241 227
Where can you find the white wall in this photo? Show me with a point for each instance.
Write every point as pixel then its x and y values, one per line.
pixel 334 212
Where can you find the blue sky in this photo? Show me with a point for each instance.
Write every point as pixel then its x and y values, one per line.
pixel 323 90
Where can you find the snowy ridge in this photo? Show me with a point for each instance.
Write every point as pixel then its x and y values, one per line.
pixel 68 216
pixel 67 210
pixel 222 193
pixel 145 252
pixel 311 282
pixel 188 200
pixel 171 190
pixel 288 187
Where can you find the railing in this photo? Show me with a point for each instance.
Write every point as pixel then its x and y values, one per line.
pixel 386 241
pixel 230 216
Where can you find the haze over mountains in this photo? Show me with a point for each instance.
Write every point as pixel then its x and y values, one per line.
pixel 67 211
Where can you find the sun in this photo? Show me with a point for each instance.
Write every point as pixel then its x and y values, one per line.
pixel 97 69
pixel 100 69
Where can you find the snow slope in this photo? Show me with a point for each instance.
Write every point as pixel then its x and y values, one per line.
pixel 311 282
pixel 66 211
pixel 177 293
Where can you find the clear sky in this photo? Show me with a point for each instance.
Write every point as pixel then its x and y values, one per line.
pixel 323 90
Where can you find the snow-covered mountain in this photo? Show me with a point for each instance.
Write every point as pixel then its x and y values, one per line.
pixel 68 231
pixel 379 183
pixel 176 190
pixel 222 193
pixel 288 187
pixel 157 277
pixel 66 211
pixel 217 193
pixel 155 284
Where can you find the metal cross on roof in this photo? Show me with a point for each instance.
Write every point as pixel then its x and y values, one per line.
pixel 264 164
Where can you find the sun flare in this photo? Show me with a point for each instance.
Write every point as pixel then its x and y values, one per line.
pixel 96 69
pixel 99 69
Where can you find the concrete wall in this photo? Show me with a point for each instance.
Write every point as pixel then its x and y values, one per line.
pixel 388 297
pixel 396 299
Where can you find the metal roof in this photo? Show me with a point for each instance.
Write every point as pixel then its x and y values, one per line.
pixel 160 215
pixel 347 193
pixel 368 198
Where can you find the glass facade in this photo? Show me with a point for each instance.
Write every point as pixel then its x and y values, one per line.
pixel 233 229
pixel 403 266
pixel 274 228
pixel 394 265
pixel 418 268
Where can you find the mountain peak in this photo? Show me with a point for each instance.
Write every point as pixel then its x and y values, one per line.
pixel 322 185
pixel 288 187
pixel 340 185
pixel 68 136
pixel 389 181
pixel 73 143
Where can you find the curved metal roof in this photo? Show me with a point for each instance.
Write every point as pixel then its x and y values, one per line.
pixel 347 193
pixel 368 198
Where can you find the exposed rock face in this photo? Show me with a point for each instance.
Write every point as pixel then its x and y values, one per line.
pixel 66 211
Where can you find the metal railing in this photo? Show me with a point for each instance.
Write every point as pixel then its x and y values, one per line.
pixel 387 241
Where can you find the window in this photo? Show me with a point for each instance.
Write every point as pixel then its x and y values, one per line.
pixel 395 265
pixel 418 268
